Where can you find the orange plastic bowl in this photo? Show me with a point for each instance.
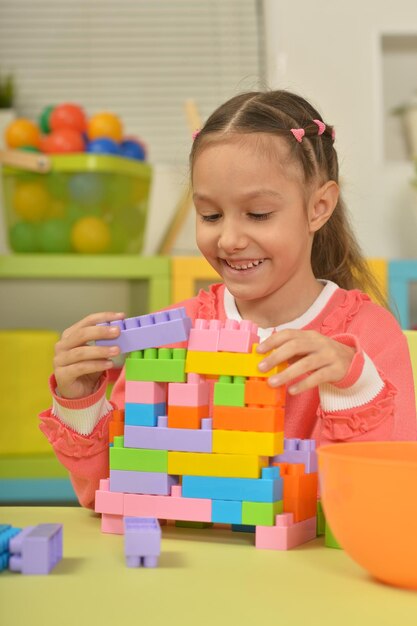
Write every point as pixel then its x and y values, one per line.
pixel 369 496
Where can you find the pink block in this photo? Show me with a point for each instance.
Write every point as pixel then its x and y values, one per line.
pixel 285 535
pixel 205 335
pixel 176 491
pixel 189 393
pixel 168 507
pixel 143 392
pixel 108 502
pixel 235 337
pixel 112 524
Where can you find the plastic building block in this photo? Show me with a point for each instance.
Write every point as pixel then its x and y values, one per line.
pixel 106 501
pixel 238 336
pixel 145 392
pixel 260 513
pixel 186 416
pixel 264 489
pixel 238 442
pixel 205 335
pixel 243 528
pixel 249 418
pixel 7 532
pixel 200 525
pixel 195 392
pixel 226 465
pixel 143 414
pixel 300 490
pixel 37 549
pixel 140 460
pixel 229 391
pixel 227 511
pixel 162 365
pixel 116 424
pixel 112 523
pixel 150 331
pixel 299 451
pixel 160 438
pixel 156 483
pixel 172 507
pixel 142 541
pixel 257 391
pixel 285 534
pixel 228 364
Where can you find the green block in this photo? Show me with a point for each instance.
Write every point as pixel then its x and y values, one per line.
pixel 330 540
pixel 321 520
pixel 153 365
pixel 137 459
pixel 229 392
pixel 261 513
pixel 183 524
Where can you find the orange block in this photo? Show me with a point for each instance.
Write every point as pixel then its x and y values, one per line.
pixel 257 391
pixel 249 418
pixel 186 416
pixel 116 424
pixel 300 491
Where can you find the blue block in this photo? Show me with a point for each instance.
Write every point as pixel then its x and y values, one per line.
pixel 243 528
pixel 226 512
pixel 7 533
pixel 143 414
pixel 240 489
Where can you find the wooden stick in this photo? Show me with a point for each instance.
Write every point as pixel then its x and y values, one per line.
pixel 25 160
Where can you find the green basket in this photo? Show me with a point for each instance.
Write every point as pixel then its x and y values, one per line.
pixel 83 203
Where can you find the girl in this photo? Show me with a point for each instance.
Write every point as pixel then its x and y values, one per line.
pixel 271 221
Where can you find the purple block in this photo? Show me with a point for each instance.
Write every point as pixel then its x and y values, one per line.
pixel 150 483
pixel 37 549
pixel 299 451
pixel 142 541
pixel 161 438
pixel 150 331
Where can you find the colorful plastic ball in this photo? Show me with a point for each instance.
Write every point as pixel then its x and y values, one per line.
pixel 23 237
pixel 62 141
pixel 55 236
pixel 90 235
pixel 86 188
pixel 105 124
pixel 68 115
pixel 132 149
pixel 44 119
pixel 31 200
pixel 22 132
pixel 104 145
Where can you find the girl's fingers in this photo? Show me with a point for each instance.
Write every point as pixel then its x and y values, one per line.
pixel 316 378
pixel 307 364
pixel 85 353
pixel 92 320
pixel 84 334
pixel 72 372
pixel 290 349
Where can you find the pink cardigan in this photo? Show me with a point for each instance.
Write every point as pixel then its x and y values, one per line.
pixel 326 414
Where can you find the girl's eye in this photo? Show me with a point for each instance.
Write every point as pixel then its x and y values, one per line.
pixel 259 216
pixel 210 218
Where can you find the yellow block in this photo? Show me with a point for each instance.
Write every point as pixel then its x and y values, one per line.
pixel 228 363
pixel 208 464
pixel 25 367
pixel 239 442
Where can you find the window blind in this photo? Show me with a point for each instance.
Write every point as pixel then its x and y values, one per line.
pixel 141 59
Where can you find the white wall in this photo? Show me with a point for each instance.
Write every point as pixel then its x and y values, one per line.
pixel 327 50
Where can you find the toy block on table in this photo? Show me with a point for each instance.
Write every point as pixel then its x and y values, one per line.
pixel 260 513
pixel 116 424
pixel 299 451
pixel 142 541
pixel 229 391
pixel 146 392
pixel 258 392
pixel 157 365
pixel 237 336
pixel 7 532
pixel 226 465
pixel 152 483
pixel 149 331
pixel 285 534
pixel 37 549
pixel 205 335
pixel 106 501
pixel 246 442
pixel 228 364
pixel 137 459
pixel 227 511
pixel 143 414
pixel 300 490
pixel 194 392
pixel 173 507
pixel 187 416
pixel 248 418
pixel 163 438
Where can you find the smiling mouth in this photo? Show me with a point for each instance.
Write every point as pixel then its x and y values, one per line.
pixel 243 266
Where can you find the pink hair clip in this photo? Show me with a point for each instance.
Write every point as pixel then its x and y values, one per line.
pixel 298 133
pixel 196 133
pixel 333 134
pixel 321 126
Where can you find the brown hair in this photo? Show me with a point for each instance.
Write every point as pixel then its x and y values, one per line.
pixel 336 254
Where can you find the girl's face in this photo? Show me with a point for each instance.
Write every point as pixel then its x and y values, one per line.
pixel 252 220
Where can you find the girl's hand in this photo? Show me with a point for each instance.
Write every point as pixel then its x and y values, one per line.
pixel 77 365
pixel 308 352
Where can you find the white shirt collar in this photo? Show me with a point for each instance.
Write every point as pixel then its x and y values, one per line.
pixel 300 322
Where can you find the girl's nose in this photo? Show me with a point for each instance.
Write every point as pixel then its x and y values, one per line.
pixel 231 238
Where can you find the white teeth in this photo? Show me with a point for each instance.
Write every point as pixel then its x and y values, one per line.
pixel 245 267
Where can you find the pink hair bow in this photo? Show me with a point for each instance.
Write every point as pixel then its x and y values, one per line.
pixel 298 133
pixel 196 133
pixel 321 126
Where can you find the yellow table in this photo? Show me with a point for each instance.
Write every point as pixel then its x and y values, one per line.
pixel 204 577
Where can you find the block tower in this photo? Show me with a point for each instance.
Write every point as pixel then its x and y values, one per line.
pixel 203 435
